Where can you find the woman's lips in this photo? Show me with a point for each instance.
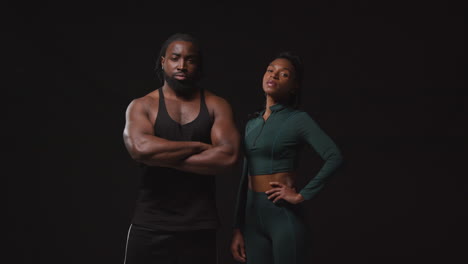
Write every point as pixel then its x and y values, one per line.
pixel 270 83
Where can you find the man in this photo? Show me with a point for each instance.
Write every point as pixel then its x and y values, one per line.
pixel 185 136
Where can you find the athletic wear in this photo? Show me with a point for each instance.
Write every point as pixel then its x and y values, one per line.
pixel 147 246
pixel 173 200
pixel 273 146
pixel 274 232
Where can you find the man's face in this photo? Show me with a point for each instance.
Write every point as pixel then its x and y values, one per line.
pixel 181 61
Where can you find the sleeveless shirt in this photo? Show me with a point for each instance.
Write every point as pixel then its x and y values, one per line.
pixel 174 200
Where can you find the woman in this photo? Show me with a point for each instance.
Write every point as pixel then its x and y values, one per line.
pixel 267 218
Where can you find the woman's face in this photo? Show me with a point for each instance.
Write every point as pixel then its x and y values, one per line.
pixel 279 79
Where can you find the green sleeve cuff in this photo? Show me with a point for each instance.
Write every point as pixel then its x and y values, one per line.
pixel 309 194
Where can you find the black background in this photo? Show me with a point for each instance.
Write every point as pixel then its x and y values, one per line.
pixel 385 81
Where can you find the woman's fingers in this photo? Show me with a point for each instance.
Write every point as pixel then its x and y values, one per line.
pixel 273 190
pixel 274 195
pixel 235 252
pixel 237 247
pixel 242 251
pixel 279 184
pixel 277 198
pixel 281 191
pixel 239 252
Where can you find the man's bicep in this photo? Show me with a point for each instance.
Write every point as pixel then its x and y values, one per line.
pixel 137 121
pixel 224 130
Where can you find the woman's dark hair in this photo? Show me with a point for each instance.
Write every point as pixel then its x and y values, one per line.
pixel 177 37
pixel 296 61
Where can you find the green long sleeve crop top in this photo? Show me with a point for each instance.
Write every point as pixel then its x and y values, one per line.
pixel 273 146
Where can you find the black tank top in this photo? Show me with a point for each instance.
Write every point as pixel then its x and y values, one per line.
pixel 170 199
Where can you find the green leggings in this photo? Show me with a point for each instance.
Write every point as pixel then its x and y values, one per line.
pixel 273 233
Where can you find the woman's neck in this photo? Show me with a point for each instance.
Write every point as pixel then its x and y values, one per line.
pixel 270 101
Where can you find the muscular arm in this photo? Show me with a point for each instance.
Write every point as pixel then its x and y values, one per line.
pixel 225 139
pixel 146 148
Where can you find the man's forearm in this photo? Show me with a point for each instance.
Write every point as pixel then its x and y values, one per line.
pixel 165 153
pixel 171 157
pixel 213 161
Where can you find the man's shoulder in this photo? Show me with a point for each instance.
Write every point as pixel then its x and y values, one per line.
pixel 214 100
pixel 149 100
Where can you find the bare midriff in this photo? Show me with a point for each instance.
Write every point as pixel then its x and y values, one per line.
pixel 261 183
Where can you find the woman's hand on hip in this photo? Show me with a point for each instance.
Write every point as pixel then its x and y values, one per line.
pixel 281 191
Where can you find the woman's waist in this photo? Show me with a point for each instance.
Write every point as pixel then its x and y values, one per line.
pixel 263 182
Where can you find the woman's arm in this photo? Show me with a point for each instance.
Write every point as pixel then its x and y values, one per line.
pixel 313 135
pixel 237 243
pixel 239 213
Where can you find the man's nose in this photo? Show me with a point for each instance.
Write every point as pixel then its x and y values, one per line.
pixel 182 66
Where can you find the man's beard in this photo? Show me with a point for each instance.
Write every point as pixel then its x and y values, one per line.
pixel 185 88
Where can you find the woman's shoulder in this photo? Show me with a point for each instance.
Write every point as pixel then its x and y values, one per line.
pixel 253 120
pixel 301 115
pixel 303 119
